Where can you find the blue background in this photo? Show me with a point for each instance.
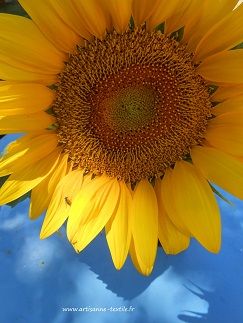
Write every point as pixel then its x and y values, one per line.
pixel 41 277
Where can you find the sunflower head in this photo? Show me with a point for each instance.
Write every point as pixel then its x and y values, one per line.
pixel 130 109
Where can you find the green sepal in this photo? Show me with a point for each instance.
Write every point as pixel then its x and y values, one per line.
pixel 221 196
pixel 132 24
pixel 50 111
pixel 52 127
pixel 14 8
pixel 160 27
pixel 212 89
pixel 3 180
pixel 178 34
pixel 239 46
pixel 52 87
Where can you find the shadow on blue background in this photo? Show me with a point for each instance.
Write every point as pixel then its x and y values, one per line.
pixel 40 279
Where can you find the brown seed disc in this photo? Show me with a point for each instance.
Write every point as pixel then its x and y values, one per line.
pixel 131 105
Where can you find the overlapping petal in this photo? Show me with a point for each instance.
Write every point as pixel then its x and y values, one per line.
pixel 219 168
pixel 171 239
pixel 15 75
pixel 232 104
pixel 231 118
pixel 58 209
pixel 120 11
pixel 26 151
pixel 20 99
pixel 143 9
pixel 181 14
pixel 53 23
pixel 224 67
pixel 91 209
pixel 93 16
pixel 224 93
pixel 28 49
pixel 25 123
pixel 226 34
pixel 41 194
pixel 138 262
pixel 206 16
pixel 194 199
pixel 168 202
pixel 23 180
pixel 226 137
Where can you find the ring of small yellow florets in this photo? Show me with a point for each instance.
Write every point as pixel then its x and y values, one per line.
pixel 130 105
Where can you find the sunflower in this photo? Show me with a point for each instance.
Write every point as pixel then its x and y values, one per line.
pixel 131 111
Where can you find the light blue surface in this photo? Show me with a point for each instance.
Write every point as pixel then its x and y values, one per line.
pixel 41 277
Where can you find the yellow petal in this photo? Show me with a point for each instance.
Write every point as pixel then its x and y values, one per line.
pixel 144 221
pixel 24 180
pixel 23 139
pixel 137 262
pixel 228 138
pixel 230 118
pixel 195 200
pixel 231 105
pixel 25 123
pixel 41 194
pixel 91 209
pixel 171 239
pixel 4 83
pixel 209 14
pixel 168 202
pixel 28 151
pixel 120 11
pixel 19 99
pixel 52 24
pixel 181 14
pixel 118 228
pixel 68 13
pixel 224 93
pixel 93 16
pixel 28 49
pixel 234 117
pixel 225 67
pixel 59 206
pixel 219 168
pixel 15 74
pixel 226 34
pixel 143 9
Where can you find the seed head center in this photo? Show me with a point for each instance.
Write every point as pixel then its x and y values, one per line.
pixel 129 108
pixel 130 105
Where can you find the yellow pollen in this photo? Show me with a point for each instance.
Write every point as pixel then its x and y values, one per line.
pixel 130 105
